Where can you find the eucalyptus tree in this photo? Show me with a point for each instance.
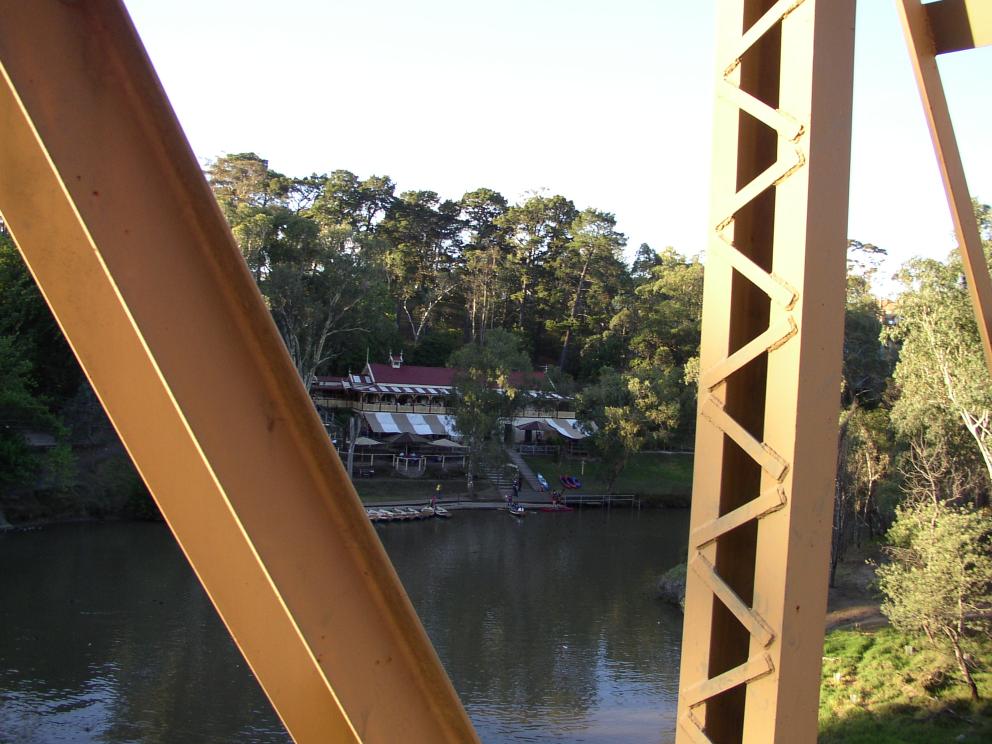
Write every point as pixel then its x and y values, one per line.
pixel 486 277
pixel 586 275
pixel 346 201
pixel 423 241
pixel 867 361
pixel 320 290
pixel 538 231
pixel 943 381
pixel 939 578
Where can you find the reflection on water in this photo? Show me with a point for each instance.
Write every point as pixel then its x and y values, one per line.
pixel 547 626
pixel 105 636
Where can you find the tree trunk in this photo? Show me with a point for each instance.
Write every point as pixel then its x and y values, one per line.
pixel 963 666
pixel 576 301
pixel 352 432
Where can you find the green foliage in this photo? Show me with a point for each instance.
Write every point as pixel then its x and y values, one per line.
pixel 945 393
pixel 23 411
pixel 302 240
pixel 485 395
pixel 867 364
pixel 25 316
pixel 37 371
pixel 671 585
pixel 669 308
pixel 884 687
pixel 939 581
pixel 624 411
pixel 350 268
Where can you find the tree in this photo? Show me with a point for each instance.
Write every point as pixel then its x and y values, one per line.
pixel 943 382
pixel 670 311
pixel 538 231
pixel 864 460
pixel 587 274
pixel 38 374
pixel 665 324
pixel 939 580
pixel 486 394
pixel 26 317
pixel 645 260
pixel 302 246
pixel 23 409
pixel 487 279
pixel 615 408
pixel 421 259
pixel 867 365
pixel 865 445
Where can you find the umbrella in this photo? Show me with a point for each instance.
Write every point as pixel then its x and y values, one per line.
pixel 536 426
pixel 407 438
pixel 447 443
pixel 366 442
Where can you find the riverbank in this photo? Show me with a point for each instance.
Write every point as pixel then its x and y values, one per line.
pixel 883 687
pixel 658 479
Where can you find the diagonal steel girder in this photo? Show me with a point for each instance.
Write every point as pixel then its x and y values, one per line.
pixel 939 28
pixel 114 218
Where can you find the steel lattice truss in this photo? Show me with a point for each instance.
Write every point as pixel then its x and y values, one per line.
pixel 741 267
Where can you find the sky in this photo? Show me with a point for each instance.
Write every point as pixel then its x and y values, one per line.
pixel 609 104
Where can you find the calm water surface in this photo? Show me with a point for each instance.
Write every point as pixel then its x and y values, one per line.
pixel 548 627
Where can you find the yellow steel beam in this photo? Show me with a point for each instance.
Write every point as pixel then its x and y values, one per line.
pixel 956 25
pixel 770 373
pixel 918 20
pixel 113 216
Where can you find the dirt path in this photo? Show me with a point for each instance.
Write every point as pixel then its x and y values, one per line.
pixel 854 602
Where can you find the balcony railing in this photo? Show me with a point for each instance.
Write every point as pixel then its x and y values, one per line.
pixel 440 410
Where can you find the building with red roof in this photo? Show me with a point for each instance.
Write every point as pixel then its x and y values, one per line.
pixel 394 398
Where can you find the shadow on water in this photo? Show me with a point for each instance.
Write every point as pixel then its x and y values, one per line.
pixel 548 627
pixel 108 637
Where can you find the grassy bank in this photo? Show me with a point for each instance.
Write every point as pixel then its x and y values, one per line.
pixel 649 475
pixel 883 687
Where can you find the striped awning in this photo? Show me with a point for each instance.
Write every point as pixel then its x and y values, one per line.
pixel 403 389
pixel 413 423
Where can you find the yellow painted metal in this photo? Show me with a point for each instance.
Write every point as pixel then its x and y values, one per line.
pixel 114 218
pixel 770 380
pixel 956 25
pixel 923 52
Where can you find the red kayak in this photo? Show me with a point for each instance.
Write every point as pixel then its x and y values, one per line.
pixel 556 508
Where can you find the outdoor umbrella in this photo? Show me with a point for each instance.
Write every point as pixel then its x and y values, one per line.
pixel 535 426
pixel 407 438
pixel 366 442
pixel 447 443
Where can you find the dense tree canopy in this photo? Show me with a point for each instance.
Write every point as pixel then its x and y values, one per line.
pixel 350 268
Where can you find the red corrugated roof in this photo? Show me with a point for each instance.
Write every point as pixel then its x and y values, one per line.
pixel 411 374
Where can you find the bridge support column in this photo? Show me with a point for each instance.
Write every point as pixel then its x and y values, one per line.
pixel 769 392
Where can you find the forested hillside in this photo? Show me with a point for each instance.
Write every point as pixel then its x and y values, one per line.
pixel 352 270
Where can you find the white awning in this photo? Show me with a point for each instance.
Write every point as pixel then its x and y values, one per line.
pixel 569 428
pixel 412 423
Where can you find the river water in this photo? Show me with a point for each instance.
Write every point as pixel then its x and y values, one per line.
pixel 548 627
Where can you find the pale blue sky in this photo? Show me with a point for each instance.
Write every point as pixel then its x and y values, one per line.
pixel 608 103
